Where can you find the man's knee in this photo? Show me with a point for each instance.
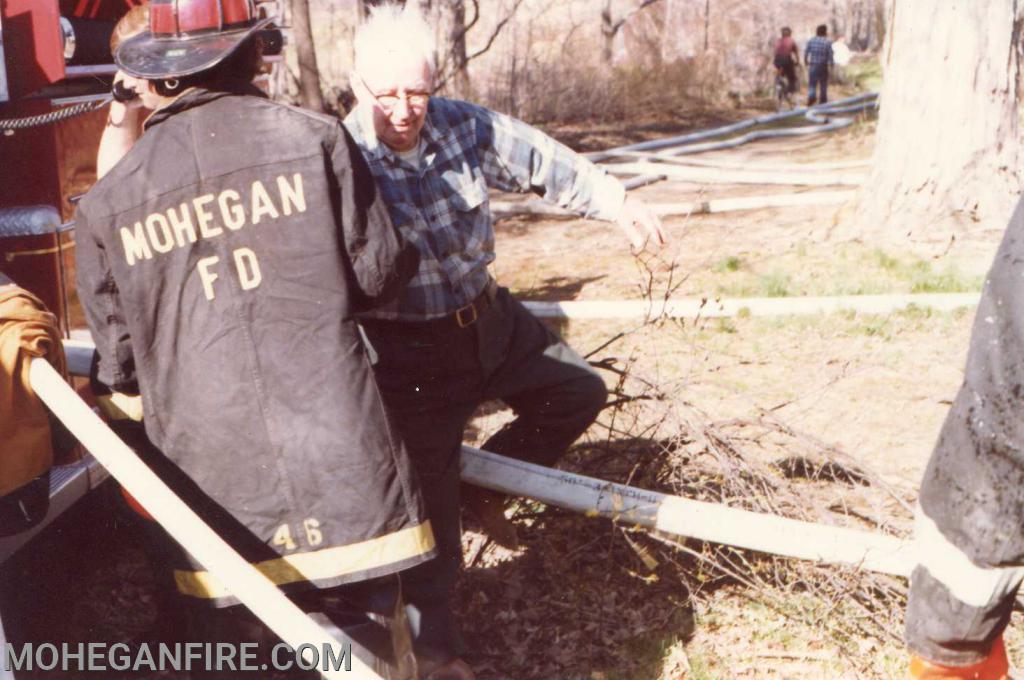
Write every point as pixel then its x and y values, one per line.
pixel 590 396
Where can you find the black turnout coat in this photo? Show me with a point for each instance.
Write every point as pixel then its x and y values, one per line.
pixel 973 487
pixel 220 264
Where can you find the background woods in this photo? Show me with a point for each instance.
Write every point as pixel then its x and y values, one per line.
pixel 586 59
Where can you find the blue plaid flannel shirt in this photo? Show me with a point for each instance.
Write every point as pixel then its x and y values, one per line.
pixel 443 208
pixel 818 51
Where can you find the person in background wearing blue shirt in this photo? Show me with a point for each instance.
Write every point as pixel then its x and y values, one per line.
pixel 454 338
pixel 818 57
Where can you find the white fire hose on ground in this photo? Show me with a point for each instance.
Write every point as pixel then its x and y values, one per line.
pixel 251 587
pixel 689 518
pixel 661 512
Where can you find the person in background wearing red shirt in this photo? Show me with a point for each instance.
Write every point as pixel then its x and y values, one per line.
pixel 787 58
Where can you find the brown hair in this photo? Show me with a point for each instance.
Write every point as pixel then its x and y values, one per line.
pixel 134 22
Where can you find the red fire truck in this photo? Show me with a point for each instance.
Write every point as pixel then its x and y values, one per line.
pixel 56 73
pixel 55 78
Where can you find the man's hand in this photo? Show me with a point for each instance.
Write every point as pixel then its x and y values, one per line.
pixel 642 226
pixel 129 111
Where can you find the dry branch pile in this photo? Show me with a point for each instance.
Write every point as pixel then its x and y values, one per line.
pixel 584 595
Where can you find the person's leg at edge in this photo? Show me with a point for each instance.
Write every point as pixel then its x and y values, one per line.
pixel 790 79
pixel 369 615
pixel 431 391
pixel 812 85
pixel 957 611
pixel 554 392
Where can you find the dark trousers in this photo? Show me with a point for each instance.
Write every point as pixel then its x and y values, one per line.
pixel 368 614
pixel 944 630
pixel 787 67
pixel 817 80
pixel 433 379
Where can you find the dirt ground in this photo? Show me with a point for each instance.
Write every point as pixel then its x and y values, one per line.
pixel 841 377
pixel 874 387
pixel 583 598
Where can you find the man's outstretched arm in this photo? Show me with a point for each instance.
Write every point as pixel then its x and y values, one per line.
pixel 518 157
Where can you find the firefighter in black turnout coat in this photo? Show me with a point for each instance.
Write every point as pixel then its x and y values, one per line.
pixel 970 524
pixel 220 264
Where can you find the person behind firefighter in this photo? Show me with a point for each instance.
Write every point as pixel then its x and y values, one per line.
pixel 220 264
pixel 453 338
pixel 970 521
pixel 124 117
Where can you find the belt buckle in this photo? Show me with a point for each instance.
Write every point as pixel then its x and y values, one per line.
pixel 458 315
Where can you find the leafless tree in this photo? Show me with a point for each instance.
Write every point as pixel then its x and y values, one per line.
pixel 310 95
pixel 861 22
pixel 453 56
pixel 610 26
pixel 453 28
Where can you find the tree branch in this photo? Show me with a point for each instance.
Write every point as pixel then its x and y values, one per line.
pixel 497 30
pixel 614 27
pixel 490 41
pixel 476 17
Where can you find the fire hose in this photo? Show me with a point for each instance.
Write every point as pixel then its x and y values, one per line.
pixel 662 512
pixel 659 512
pixel 708 140
pixel 251 587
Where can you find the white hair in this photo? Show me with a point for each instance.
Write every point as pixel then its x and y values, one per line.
pixel 391 32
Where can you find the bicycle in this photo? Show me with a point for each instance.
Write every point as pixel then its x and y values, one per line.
pixel 783 95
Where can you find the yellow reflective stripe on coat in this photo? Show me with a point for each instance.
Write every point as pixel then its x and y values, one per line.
pixel 321 564
pixel 121 406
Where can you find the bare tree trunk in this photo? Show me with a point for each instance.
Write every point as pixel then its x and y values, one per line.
pixel 513 76
pixel 453 45
pixel 607 33
pixel 948 149
pixel 310 95
pixel 610 27
pixel 860 22
pixel 707 22
pixel 881 26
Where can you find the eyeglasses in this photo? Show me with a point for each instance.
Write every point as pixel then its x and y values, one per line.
pixel 415 99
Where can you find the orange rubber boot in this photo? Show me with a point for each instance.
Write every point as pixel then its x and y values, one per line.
pixel 994 667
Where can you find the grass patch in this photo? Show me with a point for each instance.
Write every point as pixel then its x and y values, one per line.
pixel 725 325
pixel 923 276
pixel 729 264
pixel 847 269
pixel 701 670
pixel 864 74
pixel 950 280
pixel 886 261
pixel 775 284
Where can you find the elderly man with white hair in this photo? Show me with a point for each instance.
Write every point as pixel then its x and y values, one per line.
pixel 454 338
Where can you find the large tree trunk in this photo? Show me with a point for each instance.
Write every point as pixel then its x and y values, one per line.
pixel 310 95
pixel 948 149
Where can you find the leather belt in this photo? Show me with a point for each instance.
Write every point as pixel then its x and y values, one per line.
pixel 463 317
pixel 467 316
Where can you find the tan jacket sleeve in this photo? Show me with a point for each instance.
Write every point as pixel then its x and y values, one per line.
pixel 27 331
